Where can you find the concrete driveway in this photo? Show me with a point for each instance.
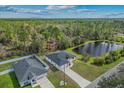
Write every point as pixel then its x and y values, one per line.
pixel 45 83
pixel 77 78
pixel 6 71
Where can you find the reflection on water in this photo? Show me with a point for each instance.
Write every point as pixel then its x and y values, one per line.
pixel 97 48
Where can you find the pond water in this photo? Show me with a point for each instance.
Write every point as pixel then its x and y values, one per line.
pixel 97 48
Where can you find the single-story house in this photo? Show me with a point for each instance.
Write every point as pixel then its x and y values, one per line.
pixel 29 70
pixel 60 59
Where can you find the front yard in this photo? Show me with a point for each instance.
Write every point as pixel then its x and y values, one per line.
pixel 9 81
pixel 55 76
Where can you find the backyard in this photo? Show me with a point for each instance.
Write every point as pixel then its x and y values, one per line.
pixel 88 70
pixel 91 72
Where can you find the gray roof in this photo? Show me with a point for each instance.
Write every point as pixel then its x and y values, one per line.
pixel 26 69
pixel 60 58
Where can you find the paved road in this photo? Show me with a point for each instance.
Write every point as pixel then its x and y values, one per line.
pixel 110 72
pixel 45 83
pixel 6 71
pixel 13 60
pixel 77 78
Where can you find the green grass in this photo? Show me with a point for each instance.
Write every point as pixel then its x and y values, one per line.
pixel 9 81
pixel 37 86
pixel 55 76
pixel 88 70
pixel 91 72
pixel 5 66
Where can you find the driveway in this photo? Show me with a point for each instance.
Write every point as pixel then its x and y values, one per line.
pixel 6 71
pixel 45 83
pixel 77 78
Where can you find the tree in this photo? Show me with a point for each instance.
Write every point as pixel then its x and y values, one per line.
pixel 111 82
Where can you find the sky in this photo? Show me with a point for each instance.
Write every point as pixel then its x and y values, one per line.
pixel 61 11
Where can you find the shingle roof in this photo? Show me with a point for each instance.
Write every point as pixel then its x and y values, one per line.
pixel 28 68
pixel 60 58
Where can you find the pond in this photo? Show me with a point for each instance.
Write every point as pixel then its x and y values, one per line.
pixel 97 48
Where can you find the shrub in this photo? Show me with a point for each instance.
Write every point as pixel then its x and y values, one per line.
pixel 108 60
pixel 111 82
pixel 122 52
pixel 99 61
pixel 86 58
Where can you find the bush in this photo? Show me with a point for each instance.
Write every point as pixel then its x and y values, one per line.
pixel 111 57
pixel 99 61
pixel 122 52
pixel 113 81
pixel 86 58
pixel 108 60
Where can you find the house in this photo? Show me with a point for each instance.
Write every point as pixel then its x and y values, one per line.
pixel 60 59
pixel 29 70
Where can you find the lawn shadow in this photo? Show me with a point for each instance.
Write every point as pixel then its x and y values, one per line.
pixel 14 80
pixel 53 68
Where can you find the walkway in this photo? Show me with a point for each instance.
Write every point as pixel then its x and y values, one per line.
pixel 77 78
pixel 45 83
pixel 13 60
pixel 6 71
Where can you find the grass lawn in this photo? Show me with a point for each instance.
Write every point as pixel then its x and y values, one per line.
pixel 91 72
pixel 5 66
pixel 9 81
pixel 55 76
pixel 88 70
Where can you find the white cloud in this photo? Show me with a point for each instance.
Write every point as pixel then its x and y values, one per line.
pixel 23 10
pixel 82 10
pixel 60 7
pixel 114 14
pixel 85 10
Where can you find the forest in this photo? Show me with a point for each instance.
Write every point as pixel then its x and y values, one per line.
pixel 27 36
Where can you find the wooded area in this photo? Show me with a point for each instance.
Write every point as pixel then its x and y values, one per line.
pixel 26 36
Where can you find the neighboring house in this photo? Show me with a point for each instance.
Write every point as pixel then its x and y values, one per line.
pixel 29 70
pixel 60 59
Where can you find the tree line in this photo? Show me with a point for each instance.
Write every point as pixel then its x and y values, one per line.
pixel 31 36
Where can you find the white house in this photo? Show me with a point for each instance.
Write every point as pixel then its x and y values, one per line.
pixel 60 59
